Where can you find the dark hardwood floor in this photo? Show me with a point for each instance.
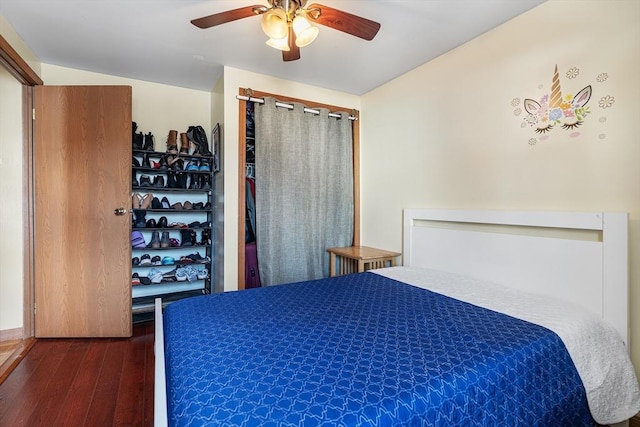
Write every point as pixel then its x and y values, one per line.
pixel 82 382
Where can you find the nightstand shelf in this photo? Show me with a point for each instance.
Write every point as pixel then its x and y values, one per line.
pixel 356 259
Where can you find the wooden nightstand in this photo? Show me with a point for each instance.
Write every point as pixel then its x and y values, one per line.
pixel 353 259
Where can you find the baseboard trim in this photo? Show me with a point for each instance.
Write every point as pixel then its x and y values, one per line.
pixel 11 334
pixel 10 364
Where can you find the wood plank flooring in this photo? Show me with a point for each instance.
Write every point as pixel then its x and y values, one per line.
pixel 82 382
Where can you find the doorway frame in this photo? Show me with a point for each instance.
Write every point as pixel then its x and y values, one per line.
pixel 11 60
pixel 242 160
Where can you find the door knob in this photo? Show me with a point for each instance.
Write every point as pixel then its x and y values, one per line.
pixel 120 211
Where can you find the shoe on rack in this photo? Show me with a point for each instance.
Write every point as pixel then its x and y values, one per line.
pixel 165 203
pixel 206 182
pixel 135 162
pixel 184 144
pixel 198 205
pixel 172 142
pixel 177 206
pixel 151 223
pixel 145 161
pixel 188 237
pixel 206 237
pixel 204 166
pixel 156 260
pixel 134 181
pixel 135 261
pixel 187 205
pixel 192 166
pixel 155 275
pixel 181 274
pixel 149 142
pixel 155 203
pixel 162 222
pixel 135 279
pixel 195 257
pixel 201 273
pixel 145 181
pixel 194 182
pixel 137 139
pixel 155 240
pixel 158 181
pixel 145 201
pixel 168 260
pixel 137 240
pixel 145 259
pixel 135 201
pixel 172 182
pixel 164 240
pixel 169 276
pixel 181 180
pixel 139 220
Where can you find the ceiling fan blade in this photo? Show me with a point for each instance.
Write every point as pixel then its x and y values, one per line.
pixel 343 21
pixel 293 53
pixel 228 16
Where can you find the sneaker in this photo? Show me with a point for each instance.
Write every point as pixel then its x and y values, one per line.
pixel 135 279
pixel 202 273
pixel 191 273
pixel 156 260
pixel 169 276
pixel 168 260
pixel 181 275
pixel 155 275
pixel 145 259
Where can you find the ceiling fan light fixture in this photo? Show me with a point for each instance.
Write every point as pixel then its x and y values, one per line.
pixel 280 44
pixel 274 23
pixel 305 32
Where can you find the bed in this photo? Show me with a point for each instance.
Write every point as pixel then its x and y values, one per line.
pixel 495 318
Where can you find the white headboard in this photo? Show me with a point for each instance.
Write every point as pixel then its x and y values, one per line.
pixel 578 257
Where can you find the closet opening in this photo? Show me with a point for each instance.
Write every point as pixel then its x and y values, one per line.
pixel 246 153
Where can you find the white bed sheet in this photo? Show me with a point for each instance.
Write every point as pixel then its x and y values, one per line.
pixel 597 350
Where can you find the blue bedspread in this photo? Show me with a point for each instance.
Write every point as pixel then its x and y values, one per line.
pixel 362 350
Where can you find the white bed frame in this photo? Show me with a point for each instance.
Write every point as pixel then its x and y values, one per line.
pixel 579 257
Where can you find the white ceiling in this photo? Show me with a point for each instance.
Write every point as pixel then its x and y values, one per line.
pixel 153 40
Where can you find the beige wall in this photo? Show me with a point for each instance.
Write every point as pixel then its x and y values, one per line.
pixel 446 134
pixel 10 35
pixel 234 79
pixel 157 108
pixel 11 208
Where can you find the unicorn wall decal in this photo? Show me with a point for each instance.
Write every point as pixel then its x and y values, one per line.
pixel 557 110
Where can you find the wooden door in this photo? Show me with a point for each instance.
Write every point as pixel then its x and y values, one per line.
pixel 82 164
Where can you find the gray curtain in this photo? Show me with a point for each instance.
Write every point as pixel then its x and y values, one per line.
pixel 304 191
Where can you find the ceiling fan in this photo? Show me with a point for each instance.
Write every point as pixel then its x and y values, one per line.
pixel 287 23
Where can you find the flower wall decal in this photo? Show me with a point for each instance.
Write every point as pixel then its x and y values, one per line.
pixel 556 109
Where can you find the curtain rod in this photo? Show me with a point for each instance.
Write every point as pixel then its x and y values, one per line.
pixel 289 106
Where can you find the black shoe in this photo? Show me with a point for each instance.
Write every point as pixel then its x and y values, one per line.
pixel 151 223
pixel 171 180
pixel 165 242
pixel 156 260
pixel 189 237
pixel 135 162
pixel 206 182
pixel 155 203
pixel 206 237
pixel 148 142
pixel 145 161
pixel 139 218
pixel 165 203
pixel 145 181
pixel 158 181
pixel 162 222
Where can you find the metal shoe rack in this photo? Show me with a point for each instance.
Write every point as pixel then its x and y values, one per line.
pixel 176 227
